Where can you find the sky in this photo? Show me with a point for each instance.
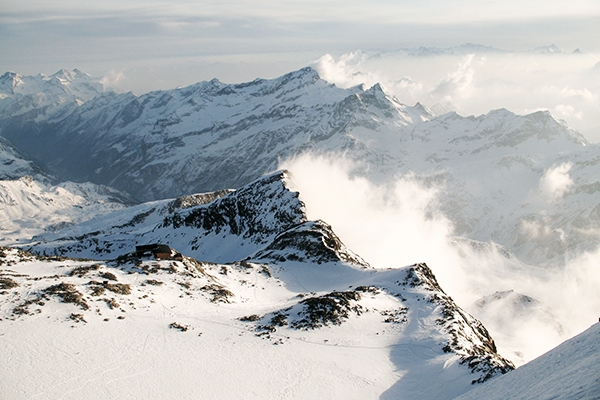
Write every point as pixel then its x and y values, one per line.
pixel 154 44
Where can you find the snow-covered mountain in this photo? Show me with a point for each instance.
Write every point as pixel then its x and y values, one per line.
pixel 220 227
pixel 47 94
pixel 273 298
pixel 523 189
pixel 203 137
pixel 570 371
pixel 15 165
pixel 29 207
pixel 463 49
pixel 32 200
pixel 526 182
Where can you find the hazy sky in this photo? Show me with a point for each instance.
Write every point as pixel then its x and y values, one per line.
pixel 157 44
pixel 96 36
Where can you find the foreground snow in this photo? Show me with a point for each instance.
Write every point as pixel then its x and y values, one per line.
pixel 570 371
pixel 134 328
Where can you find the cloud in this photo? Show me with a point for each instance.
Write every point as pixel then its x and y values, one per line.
pixel 112 78
pixel 459 83
pixel 556 181
pixel 475 82
pixel 401 224
pixel 375 219
pixel 566 111
pixel 379 11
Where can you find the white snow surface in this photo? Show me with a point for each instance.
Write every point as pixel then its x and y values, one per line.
pixel 29 207
pixel 15 165
pixel 183 329
pixel 20 94
pixel 569 371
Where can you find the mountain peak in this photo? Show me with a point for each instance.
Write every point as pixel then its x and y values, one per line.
pixel 312 241
pixel 8 82
pixel 552 49
pixel 71 75
pixel 308 71
pixel 376 88
pixel 224 226
pixel 306 75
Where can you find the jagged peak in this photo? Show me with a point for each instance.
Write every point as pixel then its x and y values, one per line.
pixel 66 76
pixel 64 73
pixel 310 241
pixel 377 89
pixel 552 49
pixel 425 110
pixel 282 175
pixel 380 95
pixel 253 214
pixel 303 76
pixel 306 72
pixel 500 112
pixel 183 202
pixel 10 75
pixel 299 78
pixel 77 86
pixel 9 81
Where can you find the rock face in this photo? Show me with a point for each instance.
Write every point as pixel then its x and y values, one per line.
pixel 230 227
pixel 312 241
pixel 470 339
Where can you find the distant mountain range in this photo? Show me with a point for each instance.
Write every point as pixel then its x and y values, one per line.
pixel 465 49
pixel 495 171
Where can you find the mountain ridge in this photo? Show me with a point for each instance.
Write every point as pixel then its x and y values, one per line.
pixel 525 184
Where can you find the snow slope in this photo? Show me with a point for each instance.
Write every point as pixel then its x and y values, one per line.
pixel 29 207
pixel 15 165
pixel 138 328
pixel 276 295
pixel 266 221
pixel 570 371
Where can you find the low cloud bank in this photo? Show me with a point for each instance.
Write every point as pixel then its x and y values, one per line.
pixel 568 85
pixel 400 224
